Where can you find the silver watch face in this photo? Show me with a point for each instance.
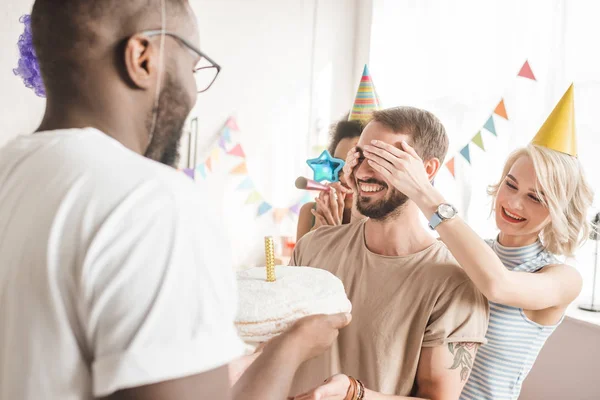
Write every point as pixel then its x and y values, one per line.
pixel 446 211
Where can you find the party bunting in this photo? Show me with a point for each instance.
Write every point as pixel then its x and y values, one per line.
pixel 478 140
pixel 295 208
pixel 215 154
pixel 189 172
pixel 526 71
pixel 237 151
pixel 226 135
pixel 466 153
pixel 450 166
pixel 232 124
pixel 208 164
pixel 254 198
pixel 202 170
pixel 490 126
pixel 240 169
pixel 246 184
pixel 264 208
pixel 279 214
pixel 501 110
pixel 222 144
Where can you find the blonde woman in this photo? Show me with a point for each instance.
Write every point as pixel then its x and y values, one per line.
pixel 540 205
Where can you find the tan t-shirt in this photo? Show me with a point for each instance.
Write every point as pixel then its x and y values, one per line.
pixel 399 305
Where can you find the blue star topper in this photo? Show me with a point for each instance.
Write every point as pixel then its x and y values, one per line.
pixel 325 167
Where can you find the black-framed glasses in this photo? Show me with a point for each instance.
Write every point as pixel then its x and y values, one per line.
pixel 205 72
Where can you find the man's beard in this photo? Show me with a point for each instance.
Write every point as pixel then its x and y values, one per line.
pixel 172 113
pixel 381 209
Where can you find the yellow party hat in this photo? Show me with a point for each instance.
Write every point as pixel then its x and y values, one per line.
pixel 558 132
pixel 366 100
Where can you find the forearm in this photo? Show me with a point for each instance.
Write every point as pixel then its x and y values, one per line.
pixel 371 395
pixel 270 376
pixel 474 255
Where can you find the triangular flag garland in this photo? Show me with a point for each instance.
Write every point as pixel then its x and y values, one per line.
pixel 222 144
pixel 501 110
pixel 466 153
pixel 215 154
pixel 237 151
pixel 526 71
pixel 450 166
pixel 295 209
pixel 264 208
pixel 190 172
pixel 227 135
pixel 490 126
pixel 225 145
pixel 478 140
pixel 240 169
pixel 232 124
pixel 246 184
pixel 279 214
pixel 201 170
pixel 254 198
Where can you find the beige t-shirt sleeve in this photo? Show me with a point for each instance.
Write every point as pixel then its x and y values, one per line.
pixel 460 315
pixel 299 249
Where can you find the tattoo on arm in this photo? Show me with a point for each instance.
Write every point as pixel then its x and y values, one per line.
pixel 463 357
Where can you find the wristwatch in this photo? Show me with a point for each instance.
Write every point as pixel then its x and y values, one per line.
pixel 443 213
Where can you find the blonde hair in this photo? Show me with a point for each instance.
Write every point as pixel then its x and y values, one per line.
pixel 566 194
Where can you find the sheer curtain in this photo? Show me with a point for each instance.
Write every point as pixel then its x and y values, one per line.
pixel 458 59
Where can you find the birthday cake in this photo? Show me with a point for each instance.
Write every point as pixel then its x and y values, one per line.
pixel 267 309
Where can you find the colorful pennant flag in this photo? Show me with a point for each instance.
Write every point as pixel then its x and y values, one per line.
pixel 466 153
pixel 232 124
pixel 490 126
pixel 226 135
pixel 450 166
pixel 279 214
pixel 189 172
pixel 222 144
pixel 202 170
pixel 478 140
pixel 208 164
pixel 526 72
pixel 215 154
pixel 264 208
pixel 240 169
pixel 295 208
pixel 254 198
pixel 246 184
pixel 501 110
pixel 237 151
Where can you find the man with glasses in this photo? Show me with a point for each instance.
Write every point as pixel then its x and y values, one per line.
pixel 113 281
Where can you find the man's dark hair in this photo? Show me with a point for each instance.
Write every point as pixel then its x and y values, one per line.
pixel 343 129
pixel 429 137
pixel 67 34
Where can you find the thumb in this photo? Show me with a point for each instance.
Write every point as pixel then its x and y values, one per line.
pixel 324 391
pixel 338 321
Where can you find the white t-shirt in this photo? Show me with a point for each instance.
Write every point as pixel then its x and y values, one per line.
pixel 112 273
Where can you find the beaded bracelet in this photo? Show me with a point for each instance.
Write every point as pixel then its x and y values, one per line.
pixel 361 390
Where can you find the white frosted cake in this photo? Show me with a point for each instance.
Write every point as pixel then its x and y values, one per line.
pixel 267 309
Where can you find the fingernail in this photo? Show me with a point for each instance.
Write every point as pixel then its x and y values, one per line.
pixel 374 141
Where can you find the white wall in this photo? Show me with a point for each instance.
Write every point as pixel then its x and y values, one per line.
pixel 568 365
pixel 20 109
pixel 289 69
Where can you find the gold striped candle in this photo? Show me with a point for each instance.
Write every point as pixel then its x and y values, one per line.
pixel 270 258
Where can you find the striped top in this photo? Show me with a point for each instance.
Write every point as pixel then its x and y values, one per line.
pixel 514 341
